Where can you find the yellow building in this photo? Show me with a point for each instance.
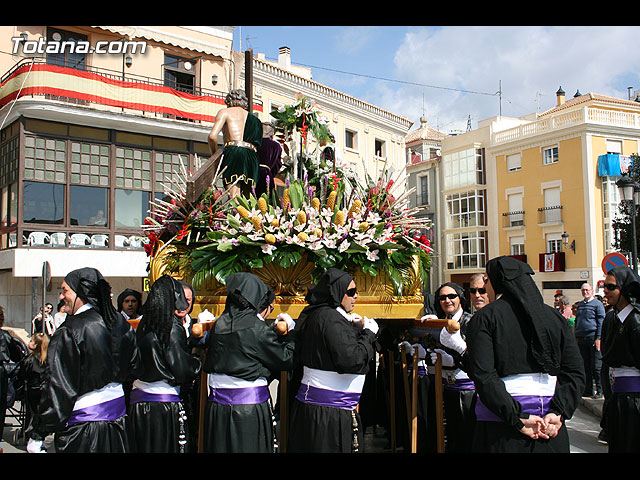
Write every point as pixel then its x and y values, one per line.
pixel 549 196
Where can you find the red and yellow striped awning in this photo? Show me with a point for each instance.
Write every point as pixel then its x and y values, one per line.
pixel 42 79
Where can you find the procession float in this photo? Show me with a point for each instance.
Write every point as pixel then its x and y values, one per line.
pixel 326 216
pixel 323 215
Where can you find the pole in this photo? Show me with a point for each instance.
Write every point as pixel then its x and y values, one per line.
pixel 634 240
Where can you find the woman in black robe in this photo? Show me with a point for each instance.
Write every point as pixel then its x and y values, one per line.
pixel 89 357
pixel 458 389
pixel 243 354
pixel 525 364
pixel 157 420
pixel 335 357
pixel 621 353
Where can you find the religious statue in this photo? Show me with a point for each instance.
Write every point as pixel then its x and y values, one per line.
pixel 242 136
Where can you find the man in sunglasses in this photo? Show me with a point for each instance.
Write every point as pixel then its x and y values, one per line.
pixel 334 351
pixel 479 297
pixel 589 317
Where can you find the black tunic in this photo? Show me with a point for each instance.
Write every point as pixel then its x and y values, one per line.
pixel 329 342
pixel 458 397
pixel 499 345
pixel 84 356
pixel 621 348
pixel 156 426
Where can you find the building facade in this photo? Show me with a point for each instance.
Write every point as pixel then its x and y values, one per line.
pixel 550 187
pixel 95 121
pixel 423 148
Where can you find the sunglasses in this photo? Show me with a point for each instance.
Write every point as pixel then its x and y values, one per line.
pixel 352 291
pixel 611 286
pixel 450 296
pixel 480 290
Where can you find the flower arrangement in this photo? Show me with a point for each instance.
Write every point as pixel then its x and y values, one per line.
pixel 329 216
pixel 303 116
pixel 369 232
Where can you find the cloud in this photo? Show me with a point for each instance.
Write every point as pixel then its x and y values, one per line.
pixel 467 64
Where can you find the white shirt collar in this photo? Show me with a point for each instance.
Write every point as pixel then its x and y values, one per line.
pixel 343 313
pixel 83 308
pixel 622 314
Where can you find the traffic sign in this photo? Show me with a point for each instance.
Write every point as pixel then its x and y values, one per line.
pixel 612 260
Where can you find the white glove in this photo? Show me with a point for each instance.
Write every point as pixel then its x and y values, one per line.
pixel 286 318
pixel 35 446
pixel 370 324
pixel 356 320
pixel 406 346
pixel 422 353
pixel 447 360
pixel 453 341
pixel 428 317
pixel 206 316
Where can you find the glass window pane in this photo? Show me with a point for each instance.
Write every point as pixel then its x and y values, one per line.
pixel 89 206
pixel 131 207
pixel 43 203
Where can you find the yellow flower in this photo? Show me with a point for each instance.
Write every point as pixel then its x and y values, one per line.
pixel 317 232
pixel 275 222
pixel 355 208
pixel 286 201
pixel 244 213
pixel 262 205
pixel 364 226
pixel 302 217
pixel 303 236
pixel 331 201
pixel 315 203
pixel 339 220
pixel 270 238
pixel 257 224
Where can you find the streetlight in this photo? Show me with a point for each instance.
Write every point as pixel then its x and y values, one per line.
pixel 627 188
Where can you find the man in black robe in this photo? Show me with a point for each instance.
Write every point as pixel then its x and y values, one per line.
pixel 621 353
pixel 243 354
pixel 334 347
pixel 525 364
pixel 89 357
pixel 130 304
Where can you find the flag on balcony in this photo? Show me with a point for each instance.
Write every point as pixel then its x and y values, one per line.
pixel 613 164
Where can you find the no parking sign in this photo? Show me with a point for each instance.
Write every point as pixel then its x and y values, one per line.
pixel 613 260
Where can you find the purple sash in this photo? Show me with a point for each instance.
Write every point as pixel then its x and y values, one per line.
pixel 327 398
pixel 460 384
pixel 421 370
pixel 239 396
pixel 625 384
pixel 138 395
pixel 531 404
pixel 106 411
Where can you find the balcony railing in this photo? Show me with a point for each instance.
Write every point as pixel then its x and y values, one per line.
pixel 513 219
pixel 591 115
pixel 34 77
pixel 551 214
